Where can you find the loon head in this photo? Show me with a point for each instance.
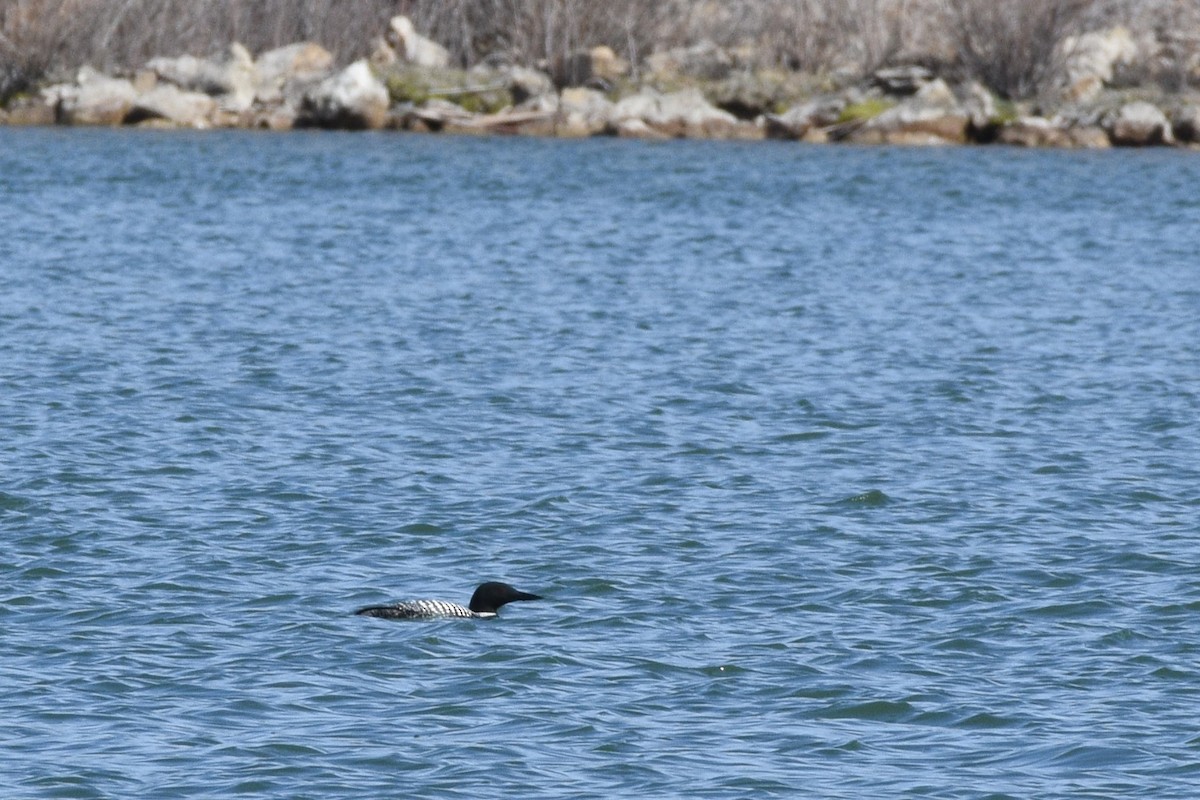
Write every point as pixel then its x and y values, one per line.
pixel 491 595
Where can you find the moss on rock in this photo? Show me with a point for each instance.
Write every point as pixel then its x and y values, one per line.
pixel 865 109
pixel 472 90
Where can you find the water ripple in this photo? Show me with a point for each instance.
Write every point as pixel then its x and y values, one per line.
pixel 836 483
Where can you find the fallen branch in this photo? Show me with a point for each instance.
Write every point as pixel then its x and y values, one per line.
pixel 458 92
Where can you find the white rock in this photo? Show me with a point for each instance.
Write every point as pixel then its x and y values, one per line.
pixel 169 102
pixel 1139 124
pixel 233 80
pixel 353 98
pixel 96 99
pixel 687 107
pixel 585 112
pixel 414 48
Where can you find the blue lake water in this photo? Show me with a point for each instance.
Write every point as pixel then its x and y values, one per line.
pixel 844 472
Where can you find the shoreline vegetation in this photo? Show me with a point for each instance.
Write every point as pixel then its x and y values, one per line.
pixel 1036 73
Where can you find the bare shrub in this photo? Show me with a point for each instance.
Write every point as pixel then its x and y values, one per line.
pixel 856 36
pixel 33 33
pixel 529 31
pixel 814 35
pixel 882 29
pixel 39 36
pixel 1176 27
pixel 1013 46
pixel 803 35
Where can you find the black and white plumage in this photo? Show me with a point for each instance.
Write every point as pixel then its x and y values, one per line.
pixel 484 604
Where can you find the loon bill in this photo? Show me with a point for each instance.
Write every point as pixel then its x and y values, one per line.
pixel 484 604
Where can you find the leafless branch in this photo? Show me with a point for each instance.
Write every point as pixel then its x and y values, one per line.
pixel 1012 45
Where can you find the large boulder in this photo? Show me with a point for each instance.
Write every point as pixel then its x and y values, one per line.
pixel 95 99
pixel 525 83
pixel 241 75
pixel 932 116
pixel 270 118
pixel 414 48
pixel 1185 122
pixel 684 113
pixel 607 64
pixel 1042 132
pixel 584 112
pixel 752 93
pixel 174 105
pixel 1032 132
pixel 978 103
pixel 1138 124
pixel 353 98
pixel 30 110
pixel 232 79
pixel 1091 137
pixel 293 66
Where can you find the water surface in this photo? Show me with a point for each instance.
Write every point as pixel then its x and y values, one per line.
pixel 845 472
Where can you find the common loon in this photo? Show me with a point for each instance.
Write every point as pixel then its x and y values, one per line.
pixel 484 604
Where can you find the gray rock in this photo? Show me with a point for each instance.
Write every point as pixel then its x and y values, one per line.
pixel 1185 122
pixel 1032 132
pixel 1089 137
pixel 1042 132
pixel 798 122
pixel 684 113
pixel 169 102
pixel 353 98
pixel 273 118
pixel 32 110
pixel 978 103
pixel 95 99
pixel 433 115
pixel 932 116
pixel 525 83
pixel 902 81
pixel 283 73
pixel 634 128
pixel 1138 124
pixel 584 112
pixel 542 104
pixel 232 79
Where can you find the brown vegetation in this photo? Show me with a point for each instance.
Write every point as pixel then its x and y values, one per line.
pixel 40 37
pixel 1012 45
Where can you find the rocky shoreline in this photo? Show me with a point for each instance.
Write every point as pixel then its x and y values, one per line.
pixel 700 92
